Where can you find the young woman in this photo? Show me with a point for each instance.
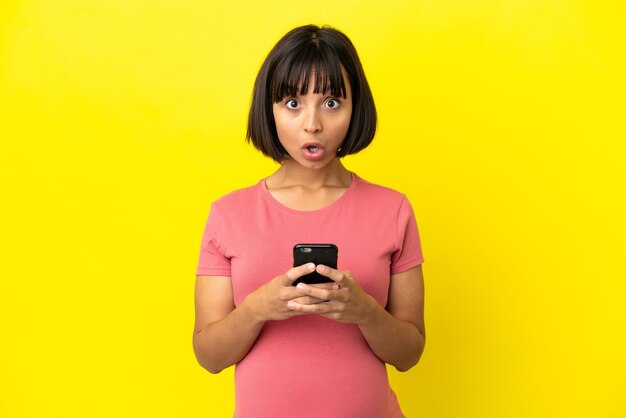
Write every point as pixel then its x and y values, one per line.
pixel 311 350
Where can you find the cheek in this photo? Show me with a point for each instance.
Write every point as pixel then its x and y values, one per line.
pixel 279 120
pixel 285 132
pixel 344 125
pixel 283 126
pixel 279 123
pixel 347 117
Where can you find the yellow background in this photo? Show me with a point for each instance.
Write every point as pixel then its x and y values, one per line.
pixel 502 120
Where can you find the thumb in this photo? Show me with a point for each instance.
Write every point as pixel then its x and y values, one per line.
pixel 295 273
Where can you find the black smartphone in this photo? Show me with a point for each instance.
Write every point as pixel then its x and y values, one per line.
pixel 325 254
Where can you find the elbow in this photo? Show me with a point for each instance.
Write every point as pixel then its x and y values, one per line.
pixel 208 365
pixel 412 362
pixel 204 359
pixel 211 368
pixel 405 367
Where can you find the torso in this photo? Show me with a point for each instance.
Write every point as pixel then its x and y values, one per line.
pixel 303 359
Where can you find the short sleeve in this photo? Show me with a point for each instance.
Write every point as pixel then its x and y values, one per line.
pixel 212 261
pixel 409 252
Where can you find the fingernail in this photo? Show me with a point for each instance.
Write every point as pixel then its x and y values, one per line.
pixel 311 266
pixel 300 286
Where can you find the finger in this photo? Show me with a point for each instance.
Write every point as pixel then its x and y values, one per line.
pixel 340 295
pixel 319 293
pixel 295 273
pixel 308 300
pixel 331 285
pixel 319 308
pixel 335 275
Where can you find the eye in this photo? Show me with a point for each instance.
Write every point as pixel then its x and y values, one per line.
pixel 291 104
pixel 332 103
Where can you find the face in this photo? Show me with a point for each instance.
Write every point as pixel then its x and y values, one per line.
pixel 311 127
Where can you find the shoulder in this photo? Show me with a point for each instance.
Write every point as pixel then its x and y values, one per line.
pixel 379 195
pixel 238 198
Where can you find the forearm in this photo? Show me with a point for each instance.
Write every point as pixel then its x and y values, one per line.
pixel 394 341
pixel 224 343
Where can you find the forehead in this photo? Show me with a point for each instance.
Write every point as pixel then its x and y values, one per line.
pixel 313 85
pixel 317 73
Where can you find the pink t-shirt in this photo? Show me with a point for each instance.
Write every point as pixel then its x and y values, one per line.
pixel 310 366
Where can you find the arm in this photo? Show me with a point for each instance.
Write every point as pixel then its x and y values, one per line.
pixel 396 335
pixel 223 334
pixel 215 342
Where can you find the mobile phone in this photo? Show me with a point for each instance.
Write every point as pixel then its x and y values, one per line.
pixel 325 254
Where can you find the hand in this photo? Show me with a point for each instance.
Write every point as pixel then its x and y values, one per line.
pixel 348 303
pixel 310 300
pixel 269 302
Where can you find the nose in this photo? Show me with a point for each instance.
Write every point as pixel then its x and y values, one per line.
pixel 312 122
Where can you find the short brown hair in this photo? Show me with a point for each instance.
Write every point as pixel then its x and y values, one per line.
pixel 325 52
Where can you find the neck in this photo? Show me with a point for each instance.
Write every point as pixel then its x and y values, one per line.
pixel 291 173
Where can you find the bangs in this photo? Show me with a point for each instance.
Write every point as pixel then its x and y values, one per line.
pixel 293 74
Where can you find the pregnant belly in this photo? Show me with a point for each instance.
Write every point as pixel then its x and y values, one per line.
pixel 309 366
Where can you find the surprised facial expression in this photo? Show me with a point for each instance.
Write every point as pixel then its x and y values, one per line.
pixel 312 126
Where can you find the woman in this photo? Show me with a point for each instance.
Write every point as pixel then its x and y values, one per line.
pixel 311 350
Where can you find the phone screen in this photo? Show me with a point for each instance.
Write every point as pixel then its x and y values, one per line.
pixel 325 254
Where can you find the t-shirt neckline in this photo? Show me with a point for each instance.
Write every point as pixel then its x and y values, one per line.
pixel 274 202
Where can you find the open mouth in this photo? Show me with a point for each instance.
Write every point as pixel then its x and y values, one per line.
pixel 313 151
